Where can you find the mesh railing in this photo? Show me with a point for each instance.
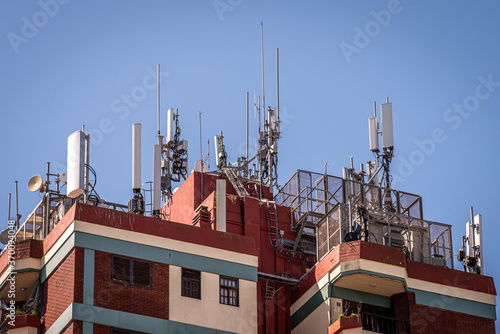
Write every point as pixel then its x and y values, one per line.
pixel 321 202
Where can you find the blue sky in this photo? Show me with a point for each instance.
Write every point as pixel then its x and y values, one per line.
pixel 67 63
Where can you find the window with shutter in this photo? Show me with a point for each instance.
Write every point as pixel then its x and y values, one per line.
pixel 191 283
pixel 131 271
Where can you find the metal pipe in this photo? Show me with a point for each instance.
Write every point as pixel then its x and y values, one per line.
pixel 201 161
pixel 8 218
pixel 158 101
pixel 278 81
pixel 45 226
pixel 247 126
pixel 375 108
pixel 18 216
pixel 262 51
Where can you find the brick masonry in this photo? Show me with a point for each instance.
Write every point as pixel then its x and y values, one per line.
pixel 63 287
pixel 149 302
pixel 423 319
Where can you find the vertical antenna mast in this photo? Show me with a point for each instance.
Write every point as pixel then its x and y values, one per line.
pixel 278 81
pixel 247 128
pixel 262 51
pixel 158 102
pixel 8 218
pixel 201 159
pixel 18 216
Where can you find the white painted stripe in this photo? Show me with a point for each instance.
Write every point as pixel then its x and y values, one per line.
pixel 166 243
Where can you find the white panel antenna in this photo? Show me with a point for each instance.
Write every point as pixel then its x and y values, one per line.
pixel 76 164
pixel 474 239
pixel 273 117
pixel 170 126
pixel 157 178
pixel 136 156
pixel 387 129
pixel 373 129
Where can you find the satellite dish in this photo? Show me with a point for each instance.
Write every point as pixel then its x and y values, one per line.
pixel 4 236
pixel 36 184
pixel 199 165
pixel 63 177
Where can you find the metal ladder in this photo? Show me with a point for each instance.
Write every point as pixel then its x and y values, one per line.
pixel 272 215
pixel 231 175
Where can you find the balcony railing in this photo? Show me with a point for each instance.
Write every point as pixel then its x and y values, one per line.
pixel 381 324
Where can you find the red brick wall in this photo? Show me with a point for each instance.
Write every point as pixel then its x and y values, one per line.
pixel 28 248
pixel 100 329
pixel 425 319
pixel 63 287
pixel 149 302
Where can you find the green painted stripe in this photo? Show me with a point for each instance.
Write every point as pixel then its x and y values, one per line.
pixel 88 277
pixel 148 253
pixel 135 322
pixel 165 256
pixel 329 290
pixel 454 304
pixel 309 306
pixel 88 328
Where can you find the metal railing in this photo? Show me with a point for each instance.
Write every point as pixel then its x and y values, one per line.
pixel 329 207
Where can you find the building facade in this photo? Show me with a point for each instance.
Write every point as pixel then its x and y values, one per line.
pixel 217 261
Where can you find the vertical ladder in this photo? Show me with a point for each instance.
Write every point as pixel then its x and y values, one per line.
pixel 231 176
pixel 272 215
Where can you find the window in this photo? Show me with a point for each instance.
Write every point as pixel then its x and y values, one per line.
pixel 130 271
pixel 229 291
pixel 191 283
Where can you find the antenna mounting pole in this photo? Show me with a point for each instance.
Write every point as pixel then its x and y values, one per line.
pixel 158 102
pixel 278 82
pixel 247 127
pixel 262 51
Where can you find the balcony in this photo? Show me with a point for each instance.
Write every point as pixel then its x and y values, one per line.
pixel 368 323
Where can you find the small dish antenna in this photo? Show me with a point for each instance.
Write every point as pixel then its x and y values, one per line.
pixel 4 236
pixel 36 184
pixel 201 166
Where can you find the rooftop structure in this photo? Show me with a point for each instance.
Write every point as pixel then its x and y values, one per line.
pixel 232 251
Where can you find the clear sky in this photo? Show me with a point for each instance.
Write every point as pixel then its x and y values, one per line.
pixel 67 63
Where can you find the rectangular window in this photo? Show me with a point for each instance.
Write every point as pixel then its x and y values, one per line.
pixel 131 271
pixel 229 294
pixel 191 283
